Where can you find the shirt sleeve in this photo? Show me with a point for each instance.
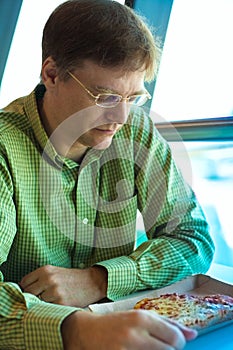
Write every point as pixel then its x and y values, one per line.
pixel 179 243
pixel 25 321
pixel 29 323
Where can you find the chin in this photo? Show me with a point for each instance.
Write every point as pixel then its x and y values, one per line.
pixel 102 145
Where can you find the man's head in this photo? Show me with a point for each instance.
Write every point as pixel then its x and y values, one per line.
pixel 96 54
pixel 103 31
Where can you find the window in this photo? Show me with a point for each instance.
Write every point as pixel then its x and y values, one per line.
pixel 193 92
pixel 212 164
pixel 192 107
pixel 22 72
pixel 196 72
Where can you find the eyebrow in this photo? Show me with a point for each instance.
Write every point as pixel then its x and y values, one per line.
pixel 101 89
pixel 105 90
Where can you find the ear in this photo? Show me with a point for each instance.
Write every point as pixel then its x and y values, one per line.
pixel 49 72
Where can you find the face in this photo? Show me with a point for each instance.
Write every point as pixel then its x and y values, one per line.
pixel 70 110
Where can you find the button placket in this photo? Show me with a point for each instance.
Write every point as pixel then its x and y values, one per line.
pixel 86 201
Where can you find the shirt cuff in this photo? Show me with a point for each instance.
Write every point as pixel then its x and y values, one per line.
pixel 42 326
pixel 122 276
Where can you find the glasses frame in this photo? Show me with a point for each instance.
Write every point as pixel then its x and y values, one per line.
pixel 96 97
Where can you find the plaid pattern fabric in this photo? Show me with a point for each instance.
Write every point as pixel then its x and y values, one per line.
pixel 56 211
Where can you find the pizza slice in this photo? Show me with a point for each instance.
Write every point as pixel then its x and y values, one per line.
pixel 194 311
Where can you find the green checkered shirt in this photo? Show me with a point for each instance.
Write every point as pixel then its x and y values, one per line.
pixel 55 211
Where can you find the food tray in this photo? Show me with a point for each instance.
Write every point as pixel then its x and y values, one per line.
pixel 196 284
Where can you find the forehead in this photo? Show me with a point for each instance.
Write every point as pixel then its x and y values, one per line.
pixel 112 78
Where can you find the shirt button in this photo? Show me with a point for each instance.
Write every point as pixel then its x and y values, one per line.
pixel 85 221
pixel 81 265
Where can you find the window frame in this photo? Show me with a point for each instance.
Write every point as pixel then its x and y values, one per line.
pixel 212 129
pixel 9 13
pixel 157 14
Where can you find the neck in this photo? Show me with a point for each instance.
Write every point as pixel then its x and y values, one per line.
pixel 76 151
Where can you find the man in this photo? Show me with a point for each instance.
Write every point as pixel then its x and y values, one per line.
pixel 79 157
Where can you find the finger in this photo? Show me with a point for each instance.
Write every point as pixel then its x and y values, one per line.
pixel 28 279
pixel 166 332
pixel 35 288
pixel 49 297
pixel 150 342
pixel 189 333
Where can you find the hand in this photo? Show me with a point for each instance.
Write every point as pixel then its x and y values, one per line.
pixel 73 287
pixel 130 330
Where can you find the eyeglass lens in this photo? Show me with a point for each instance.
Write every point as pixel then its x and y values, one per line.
pixel 112 100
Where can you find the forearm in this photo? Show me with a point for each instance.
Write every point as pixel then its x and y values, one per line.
pixel 99 276
pixel 160 261
pixel 168 260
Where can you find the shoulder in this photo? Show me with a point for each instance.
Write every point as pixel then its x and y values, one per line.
pixel 13 118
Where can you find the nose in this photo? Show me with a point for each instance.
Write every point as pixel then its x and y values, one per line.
pixel 118 114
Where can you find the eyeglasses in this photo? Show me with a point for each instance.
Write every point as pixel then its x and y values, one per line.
pixel 107 100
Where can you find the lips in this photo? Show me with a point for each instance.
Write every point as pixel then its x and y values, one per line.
pixel 106 131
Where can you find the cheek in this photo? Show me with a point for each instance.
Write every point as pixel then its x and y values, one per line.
pixel 75 102
pixel 90 118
